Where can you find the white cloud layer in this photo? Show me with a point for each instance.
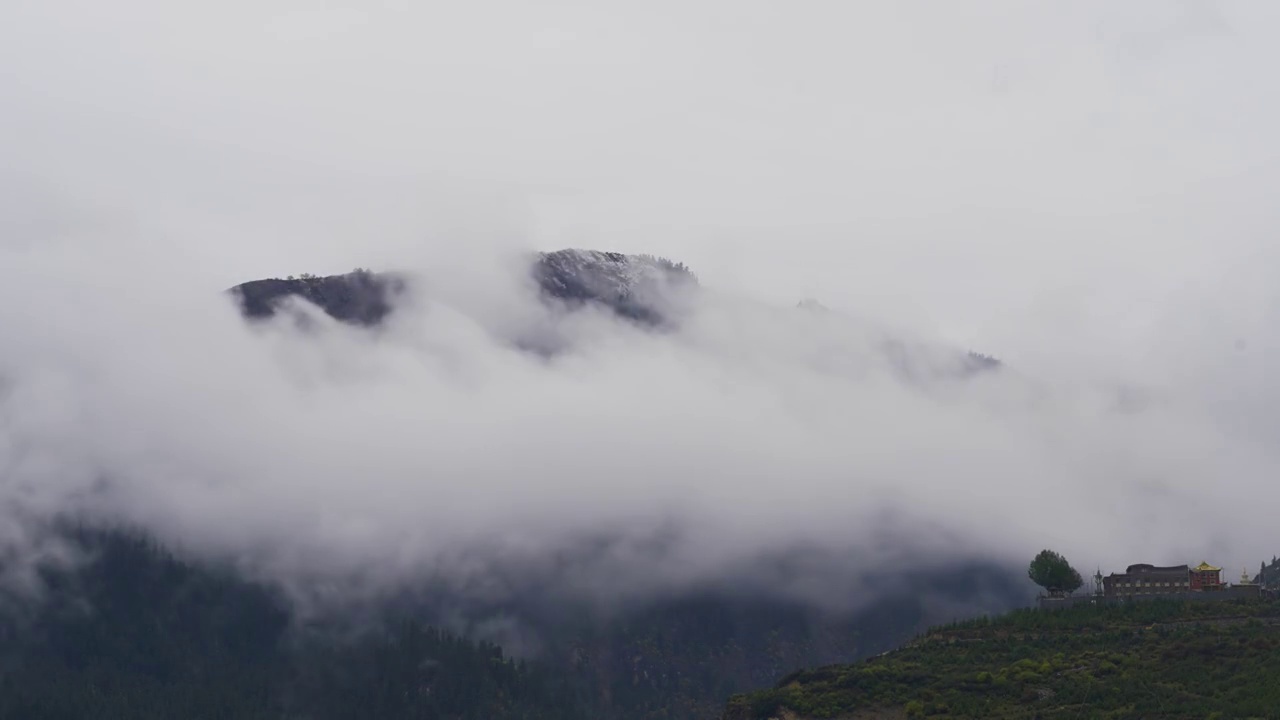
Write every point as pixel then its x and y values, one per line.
pixel 1083 189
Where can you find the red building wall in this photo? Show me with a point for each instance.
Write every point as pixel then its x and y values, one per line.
pixel 1201 579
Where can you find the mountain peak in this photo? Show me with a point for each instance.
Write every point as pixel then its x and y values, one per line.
pixel 360 297
pixel 634 286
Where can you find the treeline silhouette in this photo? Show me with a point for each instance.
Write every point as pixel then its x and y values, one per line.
pixel 137 633
pixel 133 631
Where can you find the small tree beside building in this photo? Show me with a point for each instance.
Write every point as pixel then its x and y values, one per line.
pixel 1052 572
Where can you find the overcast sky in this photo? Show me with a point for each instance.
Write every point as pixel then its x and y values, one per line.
pixel 1085 189
pixel 977 168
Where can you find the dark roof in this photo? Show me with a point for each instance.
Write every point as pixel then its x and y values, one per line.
pixel 1145 568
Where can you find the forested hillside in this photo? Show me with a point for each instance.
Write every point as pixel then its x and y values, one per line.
pixel 1145 660
pixel 137 634
pixel 133 631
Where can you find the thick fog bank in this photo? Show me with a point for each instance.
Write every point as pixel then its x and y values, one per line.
pixel 633 462
pixel 1083 190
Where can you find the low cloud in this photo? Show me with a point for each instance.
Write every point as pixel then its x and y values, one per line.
pixel 632 462
pixel 1082 191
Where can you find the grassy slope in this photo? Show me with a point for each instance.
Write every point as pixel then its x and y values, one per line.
pixel 1146 660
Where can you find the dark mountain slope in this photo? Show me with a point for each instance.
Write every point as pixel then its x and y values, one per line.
pixel 681 657
pixel 136 633
pixel 360 297
pixel 676 656
pixel 649 291
pixel 638 287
